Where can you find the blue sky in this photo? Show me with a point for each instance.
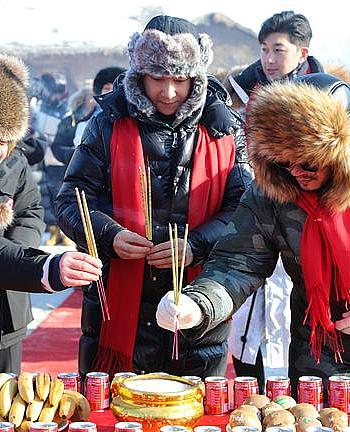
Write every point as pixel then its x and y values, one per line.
pixel 105 22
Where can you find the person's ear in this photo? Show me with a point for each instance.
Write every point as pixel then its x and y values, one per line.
pixel 304 52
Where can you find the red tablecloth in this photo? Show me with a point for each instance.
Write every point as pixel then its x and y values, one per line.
pixel 105 421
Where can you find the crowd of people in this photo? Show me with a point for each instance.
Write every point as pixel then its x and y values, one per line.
pixel 257 169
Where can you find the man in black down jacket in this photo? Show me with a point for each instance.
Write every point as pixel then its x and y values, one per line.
pixel 166 113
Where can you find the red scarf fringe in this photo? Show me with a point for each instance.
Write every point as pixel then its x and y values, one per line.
pixel 325 259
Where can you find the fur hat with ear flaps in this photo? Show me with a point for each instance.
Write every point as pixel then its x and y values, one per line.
pixel 14 109
pixel 299 123
pixel 168 46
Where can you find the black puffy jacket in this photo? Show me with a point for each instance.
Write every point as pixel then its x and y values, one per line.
pixel 169 152
pixel 18 184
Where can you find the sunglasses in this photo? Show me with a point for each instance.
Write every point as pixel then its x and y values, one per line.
pixel 306 166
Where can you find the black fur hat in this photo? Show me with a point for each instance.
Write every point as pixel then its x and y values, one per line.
pixel 105 76
pixel 14 109
pixel 168 46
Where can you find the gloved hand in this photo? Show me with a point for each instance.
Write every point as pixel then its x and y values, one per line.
pixel 189 314
pixel 343 325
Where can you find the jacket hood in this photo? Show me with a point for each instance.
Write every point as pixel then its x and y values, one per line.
pixel 77 99
pixel 338 70
pixel 217 114
pixel 14 109
pixel 299 123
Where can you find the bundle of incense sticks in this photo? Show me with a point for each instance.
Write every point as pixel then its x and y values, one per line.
pixel 146 195
pixel 177 277
pixel 91 245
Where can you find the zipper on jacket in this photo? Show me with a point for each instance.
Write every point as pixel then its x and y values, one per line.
pixel 175 140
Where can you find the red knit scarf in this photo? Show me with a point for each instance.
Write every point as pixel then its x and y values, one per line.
pixel 213 161
pixel 325 262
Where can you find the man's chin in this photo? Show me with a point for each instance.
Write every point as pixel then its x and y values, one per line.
pixel 273 77
pixel 167 109
pixel 308 185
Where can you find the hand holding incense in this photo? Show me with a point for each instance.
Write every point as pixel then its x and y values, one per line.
pixel 146 197
pixel 177 278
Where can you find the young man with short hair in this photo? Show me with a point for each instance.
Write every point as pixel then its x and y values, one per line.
pixel 284 53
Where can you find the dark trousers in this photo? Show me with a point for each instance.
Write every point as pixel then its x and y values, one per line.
pixel 10 358
pixel 256 370
pixel 301 362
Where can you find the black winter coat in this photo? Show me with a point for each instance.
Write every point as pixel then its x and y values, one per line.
pixel 254 74
pixel 169 152
pixel 17 183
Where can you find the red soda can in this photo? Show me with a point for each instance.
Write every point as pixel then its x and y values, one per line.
pixel 244 387
pixel 43 427
pixel 310 390
pixel 71 380
pixel 339 392
pixel 97 390
pixel 277 386
pixel 216 395
pixel 82 427
pixel 7 427
pixel 128 427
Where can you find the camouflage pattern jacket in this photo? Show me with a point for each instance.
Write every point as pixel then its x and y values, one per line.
pixel 247 254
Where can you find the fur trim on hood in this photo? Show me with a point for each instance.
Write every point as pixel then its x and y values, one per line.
pixel 299 123
pixel 7 213
pixel 338 70
pixel 79 98
pixel 14 110
pixel 160 54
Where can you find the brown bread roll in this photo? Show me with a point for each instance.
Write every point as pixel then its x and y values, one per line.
pixel 336 420
pixel 242 417
pixel 304 410
pixel 270 407
pixel 305 422
pixel 257 400
pixel 279 418
pixel 285 401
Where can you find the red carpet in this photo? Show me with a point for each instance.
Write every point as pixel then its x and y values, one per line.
pixel 53 346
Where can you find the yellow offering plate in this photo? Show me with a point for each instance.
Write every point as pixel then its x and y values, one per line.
pixel 156 400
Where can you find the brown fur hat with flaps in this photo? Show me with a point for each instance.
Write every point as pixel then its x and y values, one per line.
pixel 299 123
pixel 14 110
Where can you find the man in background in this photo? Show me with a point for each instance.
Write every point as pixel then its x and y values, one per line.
pixel 102 84
pixel 284 42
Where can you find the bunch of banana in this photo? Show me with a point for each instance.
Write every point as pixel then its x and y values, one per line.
pixel 41 399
